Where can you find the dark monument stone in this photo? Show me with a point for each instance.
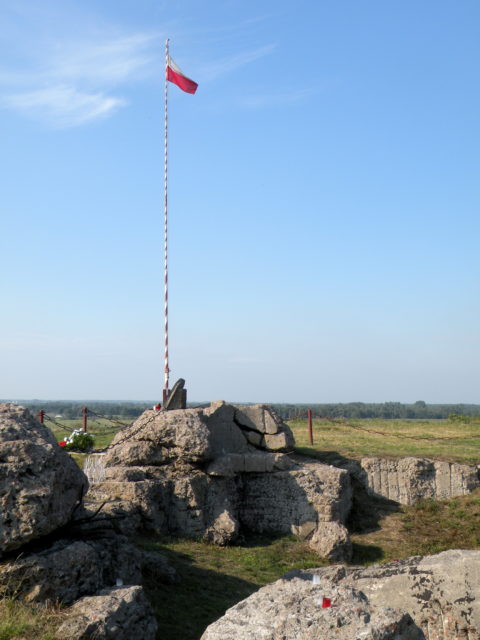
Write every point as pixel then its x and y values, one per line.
pixel 177 398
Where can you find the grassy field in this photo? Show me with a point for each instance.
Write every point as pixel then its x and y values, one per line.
pixel 330 439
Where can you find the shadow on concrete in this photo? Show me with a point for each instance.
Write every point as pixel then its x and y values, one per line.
pixel 367 509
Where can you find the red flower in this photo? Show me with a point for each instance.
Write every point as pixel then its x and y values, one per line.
pixel 62 443
pixel 326 602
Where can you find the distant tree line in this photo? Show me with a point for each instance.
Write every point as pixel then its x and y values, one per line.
pixel 384 410
pixel 352 410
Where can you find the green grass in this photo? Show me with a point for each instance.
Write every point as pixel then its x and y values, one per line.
pixel 336 440
pixel 19 621
pixel 425 528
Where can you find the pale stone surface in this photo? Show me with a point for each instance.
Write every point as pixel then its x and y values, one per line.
pixel 198 435
pixel 279 442
pixel 40 484
pixel 283 502
pixel 158 437
pixel 408 480
pixel 259 462
pixel 440 592
pixel 292 610
pixel 225 435
pixel 69 570
pixel 118 613
pixel 331 540
pixel 259 417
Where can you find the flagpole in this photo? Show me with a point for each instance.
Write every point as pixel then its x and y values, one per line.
pixel 167 370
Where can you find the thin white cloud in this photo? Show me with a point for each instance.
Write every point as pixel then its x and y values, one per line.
pixel 69 83
pixel 108 62
pixel 227 65
pixel 64 106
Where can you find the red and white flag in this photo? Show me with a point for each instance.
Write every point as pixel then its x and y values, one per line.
pixel 176 75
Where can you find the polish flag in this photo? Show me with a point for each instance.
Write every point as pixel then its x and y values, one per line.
pixel 176 75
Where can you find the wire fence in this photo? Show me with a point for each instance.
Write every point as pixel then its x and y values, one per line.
pixel 87 418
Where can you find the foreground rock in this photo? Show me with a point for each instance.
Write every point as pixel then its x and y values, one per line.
pixel 292 610
pixel 119 613
pixel 214 471
pixel 40 485
pixel 68 570
pixel 440 592
pixel 431 597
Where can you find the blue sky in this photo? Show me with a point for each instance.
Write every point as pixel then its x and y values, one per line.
pixel 323 187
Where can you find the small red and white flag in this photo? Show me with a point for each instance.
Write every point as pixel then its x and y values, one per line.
pixel 176 75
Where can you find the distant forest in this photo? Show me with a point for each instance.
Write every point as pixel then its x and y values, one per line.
pixel 350 410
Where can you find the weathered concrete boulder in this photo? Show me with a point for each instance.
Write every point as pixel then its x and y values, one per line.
pixel 68 570
pixel 40 485
pixel 408 480
pixel 440 592
pixel 292 610
pixel 198 435
pixel 260 420
pixel 118 613
pixel 312 502
pixel 159 437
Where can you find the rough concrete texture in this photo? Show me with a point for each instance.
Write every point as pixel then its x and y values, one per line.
pixel 409 480
pixel 40 484
pixel 118 613
pixel 292 610
pixel 440 592
pixel 197 435
pixel 197 473
pixel 312 502
pixel 69 570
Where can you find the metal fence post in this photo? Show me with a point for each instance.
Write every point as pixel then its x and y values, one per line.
pixel 310 426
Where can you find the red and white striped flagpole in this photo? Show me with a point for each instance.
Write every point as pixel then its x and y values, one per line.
pixel 167 370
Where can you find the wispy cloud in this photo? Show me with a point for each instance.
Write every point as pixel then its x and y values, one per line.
pixel 67 84
pixel 64 106
pixel 229 64
pixel 108 62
